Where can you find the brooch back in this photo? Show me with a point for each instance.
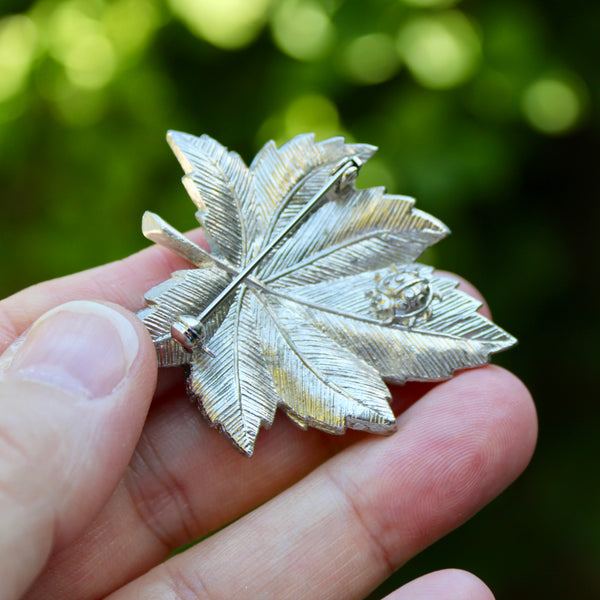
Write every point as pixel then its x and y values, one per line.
pixel 310 298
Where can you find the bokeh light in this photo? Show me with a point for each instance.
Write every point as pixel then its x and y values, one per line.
pixel 553 105
pixel 307 113
pixel 441 50
pixel 129 24
pixel 18 43
pixel 224 23
pixel 371 58
pixel 302 29
pixel 311 112
pixel 76 39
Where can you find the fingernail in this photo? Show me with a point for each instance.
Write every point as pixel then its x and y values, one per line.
pixel 82 347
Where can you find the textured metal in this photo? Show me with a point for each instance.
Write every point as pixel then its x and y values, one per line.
pixel 311 297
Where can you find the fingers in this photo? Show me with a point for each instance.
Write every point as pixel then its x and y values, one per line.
pixel 451 584
pixel 73 397
pixel 363 513
pixel 183 483
pixel 185 480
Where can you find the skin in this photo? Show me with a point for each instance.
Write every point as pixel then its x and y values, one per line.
pixel 96 493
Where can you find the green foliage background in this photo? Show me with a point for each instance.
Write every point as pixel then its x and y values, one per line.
pixel 484 111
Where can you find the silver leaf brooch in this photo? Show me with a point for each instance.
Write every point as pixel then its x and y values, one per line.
pixel 310 299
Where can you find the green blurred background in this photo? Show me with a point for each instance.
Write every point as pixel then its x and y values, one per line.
pixel 484 111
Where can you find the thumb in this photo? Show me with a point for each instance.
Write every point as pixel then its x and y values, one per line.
pixel 73 399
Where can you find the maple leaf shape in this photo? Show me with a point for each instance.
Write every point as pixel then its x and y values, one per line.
pixel 316 305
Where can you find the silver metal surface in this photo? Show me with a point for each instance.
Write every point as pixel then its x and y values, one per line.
pixel 310 298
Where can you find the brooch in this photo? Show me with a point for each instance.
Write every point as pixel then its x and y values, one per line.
pixel 310 299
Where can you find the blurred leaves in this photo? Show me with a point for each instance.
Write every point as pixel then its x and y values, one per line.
pixel 483 111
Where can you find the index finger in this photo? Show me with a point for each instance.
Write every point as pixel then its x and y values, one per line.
pixel 123 282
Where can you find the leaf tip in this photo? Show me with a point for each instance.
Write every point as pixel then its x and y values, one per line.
pixel 508 341
pixel 150 224
pixel 171 139
pixel 176 139
pixel 243 441
pixel 439 228
pixel 382 425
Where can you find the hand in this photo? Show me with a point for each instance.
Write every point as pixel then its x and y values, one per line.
pixel 97 487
